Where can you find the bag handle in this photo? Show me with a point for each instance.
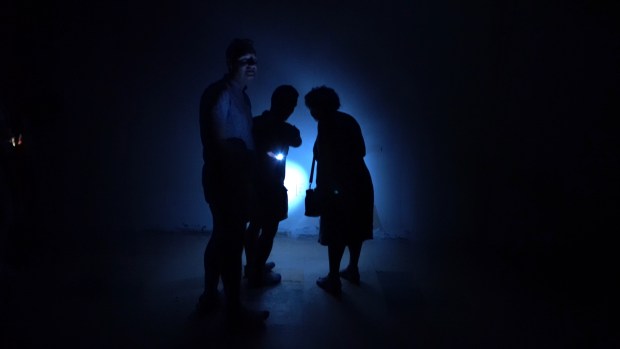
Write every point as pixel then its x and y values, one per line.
pixel 312 172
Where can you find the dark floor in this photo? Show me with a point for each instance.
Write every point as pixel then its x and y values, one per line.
pixel 141 294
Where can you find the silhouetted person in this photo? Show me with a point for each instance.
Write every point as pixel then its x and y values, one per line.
pixel 272 136
pixel 226 133
pixel 344 184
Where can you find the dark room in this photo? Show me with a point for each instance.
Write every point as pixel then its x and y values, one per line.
pixel 472 145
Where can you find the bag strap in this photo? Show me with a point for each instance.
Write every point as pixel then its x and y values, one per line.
pixel 312 172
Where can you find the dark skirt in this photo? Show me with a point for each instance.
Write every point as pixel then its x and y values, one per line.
pixel 347 221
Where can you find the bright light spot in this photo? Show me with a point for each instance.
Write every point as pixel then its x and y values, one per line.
pixel 278 156
pixel 15 141
pixel 296 181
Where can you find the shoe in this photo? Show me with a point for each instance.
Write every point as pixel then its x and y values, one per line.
pixel 265 280
pixel 331 285
pixel 352 275
pixel 267 268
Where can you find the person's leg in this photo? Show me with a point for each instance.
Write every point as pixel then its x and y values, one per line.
pixel 335 253
pixel 209 299
pixel 351 272
pixel 230 260
pixel 236 314
pixel 211 264
pixel 260 275
pixel 331 283
pixel 265 242
pixel 250 245
pixel 355 249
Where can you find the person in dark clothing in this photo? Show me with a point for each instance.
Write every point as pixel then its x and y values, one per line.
pixel 226 134
pixel 272 136
pixel 344 185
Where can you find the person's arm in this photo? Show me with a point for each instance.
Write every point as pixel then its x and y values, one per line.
pixel 292 135
pixel 219 114
pixel 214 110
pixel 229 147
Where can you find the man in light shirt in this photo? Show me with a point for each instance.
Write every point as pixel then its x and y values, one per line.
pixel 228 153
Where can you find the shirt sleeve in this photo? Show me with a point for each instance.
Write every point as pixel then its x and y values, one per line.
pixel 219 115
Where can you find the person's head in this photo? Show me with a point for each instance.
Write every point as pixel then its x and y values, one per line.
pixel 284 101
pixel 321 101
pixel 241 60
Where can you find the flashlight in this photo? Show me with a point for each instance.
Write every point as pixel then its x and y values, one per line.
pixel 277 156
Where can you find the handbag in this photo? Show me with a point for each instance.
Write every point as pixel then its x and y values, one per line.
pixel 313 204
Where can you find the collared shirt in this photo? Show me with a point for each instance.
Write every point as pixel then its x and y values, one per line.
pixel 225 114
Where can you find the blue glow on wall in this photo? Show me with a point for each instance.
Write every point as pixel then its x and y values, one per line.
pixel 296 181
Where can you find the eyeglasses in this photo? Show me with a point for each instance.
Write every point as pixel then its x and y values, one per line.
pixel 247 61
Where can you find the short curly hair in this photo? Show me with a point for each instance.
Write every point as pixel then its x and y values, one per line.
pixel 322 98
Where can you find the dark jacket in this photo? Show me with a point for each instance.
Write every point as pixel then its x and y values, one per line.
pixel 343 181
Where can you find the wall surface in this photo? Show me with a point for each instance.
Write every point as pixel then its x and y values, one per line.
pixel 482 121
